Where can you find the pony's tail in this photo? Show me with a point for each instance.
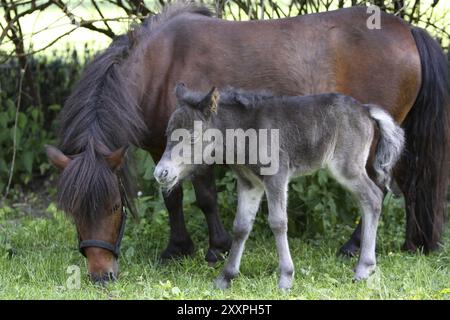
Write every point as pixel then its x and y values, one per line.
pixel 390 145
pixel 423 170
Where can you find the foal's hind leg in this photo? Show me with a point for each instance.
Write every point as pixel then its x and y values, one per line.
pixel 249 198
pixel 351 247
pixel 206 195
pixel 370 198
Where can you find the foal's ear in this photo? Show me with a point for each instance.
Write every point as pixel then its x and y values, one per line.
pixel 56 157
pixel 116 158
pixel 210 103
pixel 185 96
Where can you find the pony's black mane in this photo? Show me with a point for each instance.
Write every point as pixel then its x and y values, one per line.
pixel 100 116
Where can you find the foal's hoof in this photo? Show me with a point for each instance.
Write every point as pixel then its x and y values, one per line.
pixel 348 250
pixel 177 251
pixel 222 283
pixel 363 272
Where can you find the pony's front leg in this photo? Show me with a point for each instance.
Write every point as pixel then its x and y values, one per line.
pixel 206 196
pixel 180 243
pixel 249 198
pixel 276 191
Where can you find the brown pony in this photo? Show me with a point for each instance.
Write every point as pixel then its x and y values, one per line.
pixel 125 96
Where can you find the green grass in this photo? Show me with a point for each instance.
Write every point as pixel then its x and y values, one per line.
pixel 35 253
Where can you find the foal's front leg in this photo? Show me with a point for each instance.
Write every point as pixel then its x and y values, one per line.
pixel 276 191
pixel 249 198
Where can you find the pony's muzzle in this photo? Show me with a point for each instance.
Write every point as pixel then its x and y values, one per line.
pixel 102 266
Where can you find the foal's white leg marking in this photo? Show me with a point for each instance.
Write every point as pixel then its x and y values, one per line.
pixel 277 201
pixel 248 204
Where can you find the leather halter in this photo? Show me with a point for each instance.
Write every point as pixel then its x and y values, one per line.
pixel 113 248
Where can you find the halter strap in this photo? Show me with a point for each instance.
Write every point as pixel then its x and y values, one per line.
pixel 113 248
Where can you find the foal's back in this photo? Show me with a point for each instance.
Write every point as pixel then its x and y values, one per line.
pixel 316 129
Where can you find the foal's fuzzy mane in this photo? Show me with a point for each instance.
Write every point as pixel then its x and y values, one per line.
pixel 102 115
pixel 229 96
pixel 245 98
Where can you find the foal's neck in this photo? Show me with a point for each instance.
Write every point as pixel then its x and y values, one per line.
pixel 234 117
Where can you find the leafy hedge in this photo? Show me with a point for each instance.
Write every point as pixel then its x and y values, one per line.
pixel 33 124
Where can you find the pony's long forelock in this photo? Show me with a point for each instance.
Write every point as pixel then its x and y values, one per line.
pixel 85 185
pixel 102 115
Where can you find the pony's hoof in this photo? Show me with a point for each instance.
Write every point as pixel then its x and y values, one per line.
pixel 408 246
pixel 222 283
pixel 349 250
pixel 215 255
pixel 177 251
pixel 218 252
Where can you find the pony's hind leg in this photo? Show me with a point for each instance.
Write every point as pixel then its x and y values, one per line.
pixel 249 198
pixel 276 191
pixel 370 198
pixel 206 196
pixel 351 247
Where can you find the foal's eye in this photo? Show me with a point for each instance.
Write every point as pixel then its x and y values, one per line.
pixel 195 136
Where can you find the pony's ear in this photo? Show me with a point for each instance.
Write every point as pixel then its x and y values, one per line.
pixel 210 103
pixel 115 159
pixel 56 157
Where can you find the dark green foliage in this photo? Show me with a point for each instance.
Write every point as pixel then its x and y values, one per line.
pixel 36 122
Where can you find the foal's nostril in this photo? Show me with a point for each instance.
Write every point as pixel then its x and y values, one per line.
pixel 165 173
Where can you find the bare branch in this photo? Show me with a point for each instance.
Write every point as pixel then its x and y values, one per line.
pixel 12 21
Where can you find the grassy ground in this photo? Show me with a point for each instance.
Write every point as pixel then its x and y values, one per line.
pixel 36 252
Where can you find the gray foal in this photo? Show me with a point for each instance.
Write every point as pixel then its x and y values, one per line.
pixel 330 131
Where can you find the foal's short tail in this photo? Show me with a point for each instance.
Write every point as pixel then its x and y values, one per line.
pixel 390 144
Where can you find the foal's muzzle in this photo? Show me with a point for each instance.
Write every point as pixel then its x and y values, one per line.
pixel 164 175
